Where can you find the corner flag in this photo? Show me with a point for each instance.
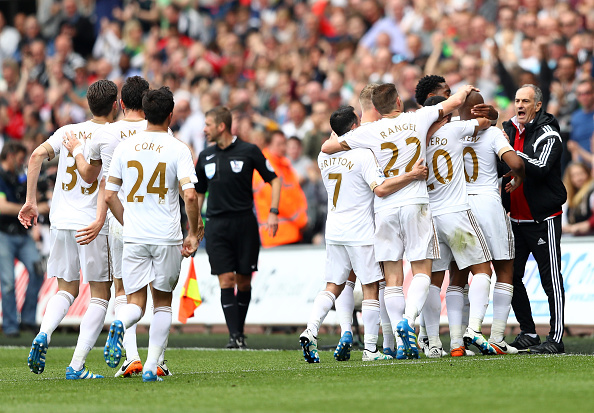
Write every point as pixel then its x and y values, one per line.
pixel 190 297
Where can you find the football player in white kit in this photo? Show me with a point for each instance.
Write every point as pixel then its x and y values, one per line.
pixel 101 151
pixel 151 166
pixel 348 177
pixel 460 237
pixel 480 164
pixel 403 219
pixel 78 234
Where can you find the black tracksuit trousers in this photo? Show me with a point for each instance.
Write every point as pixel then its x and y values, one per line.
pixel 542 239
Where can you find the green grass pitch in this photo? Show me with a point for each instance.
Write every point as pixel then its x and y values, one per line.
pixel 279 381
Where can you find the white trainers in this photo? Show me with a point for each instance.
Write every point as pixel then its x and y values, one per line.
pixel 476 338
pixel 501 347
pixel 434 353
pixel 375 355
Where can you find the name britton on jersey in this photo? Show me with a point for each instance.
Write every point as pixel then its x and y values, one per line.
pixel 336 161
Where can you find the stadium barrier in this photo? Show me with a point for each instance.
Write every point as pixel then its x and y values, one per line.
pixel 290 277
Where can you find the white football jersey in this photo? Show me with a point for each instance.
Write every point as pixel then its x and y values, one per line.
pixel 480 162
pixel 349 178
pixel 446 183
pixel 149 167
pixel 397 144
pixel 74 203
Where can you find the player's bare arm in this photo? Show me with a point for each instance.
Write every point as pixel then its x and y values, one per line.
pixel 115 205
pixel 196 232
pixel 457 99
pixel 88 172
pixel 389 186
pixel 518 170
pixel 482 110
pixel 89 233
pixel 333 145
pixel 29 211
pixel 272 223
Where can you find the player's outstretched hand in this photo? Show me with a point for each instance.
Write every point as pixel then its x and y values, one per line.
pixel 27 214
pixel 420 171
pixel 514 183
pixel 70 141
pixel 482 110
pixel 190 245
pixel 87 234
pixel 272 224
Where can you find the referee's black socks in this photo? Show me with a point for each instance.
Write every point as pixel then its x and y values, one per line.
pixel 230 310
pixel 243 303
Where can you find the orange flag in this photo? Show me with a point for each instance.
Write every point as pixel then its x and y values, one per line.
pixel 190 297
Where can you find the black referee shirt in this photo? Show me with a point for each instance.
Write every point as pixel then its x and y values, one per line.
pixel 227 176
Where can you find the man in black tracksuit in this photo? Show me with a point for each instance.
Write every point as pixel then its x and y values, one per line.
pixel 535 212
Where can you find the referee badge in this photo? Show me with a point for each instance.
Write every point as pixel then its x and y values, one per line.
pixel 209 169
pixel 236 166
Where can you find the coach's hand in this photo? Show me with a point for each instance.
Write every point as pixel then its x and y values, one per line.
pixel 71 141
pixel 272 224
pixel 87 234
pixel 190 245
pixel 27 213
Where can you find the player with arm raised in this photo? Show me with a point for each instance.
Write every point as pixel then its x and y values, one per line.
pixel 348 177
pixel 151 166
pixel 403 219
pixel 78 234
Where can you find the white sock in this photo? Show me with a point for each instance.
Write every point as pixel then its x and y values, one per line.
pixel 465 308
pixel 416 297
pixel 162 356
pixel 502 297
pixel 345 305
pixel 130 314
pixel 158 334
pixel 371 321
pixel 432 311
pixel 56 310
pixel 321 306
pixel 90 328
pixel 422 324
pixel 454 304
pixel 478 295
pixel 119 302
pixel 387 334
pixel 395 303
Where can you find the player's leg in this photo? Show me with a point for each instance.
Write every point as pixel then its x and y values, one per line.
pixel 394 300
pixel 345 306
pixel 63 263
pixel 455 304
pixel 387 330
pixel 432 312
pixel 478 295
pixel 502 298
pixel 158 333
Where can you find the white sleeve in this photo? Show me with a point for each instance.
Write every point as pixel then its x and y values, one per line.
pixel 354 139
pixel 371 170
pixel 186 172
pixel 427 115
pixel 500 145
pixel 465 128
pixel 108 148
pixel 55 141
pixel 114 181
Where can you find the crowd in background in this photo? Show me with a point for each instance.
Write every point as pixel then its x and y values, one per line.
pixel 287 65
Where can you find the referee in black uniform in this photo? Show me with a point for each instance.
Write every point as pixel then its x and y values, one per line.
pixel 225 170
pixel 535 212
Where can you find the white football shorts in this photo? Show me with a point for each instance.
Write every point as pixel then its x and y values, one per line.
pixel 67 258
pixel 144 264
pixel 116 245
pixel 340 259
pixel 495 224
pixel 407 229
pixel 460 239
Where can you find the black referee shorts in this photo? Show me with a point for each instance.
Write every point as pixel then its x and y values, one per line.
pixel 232 244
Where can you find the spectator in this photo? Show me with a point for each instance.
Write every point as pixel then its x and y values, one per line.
pixel 298 124
pixel 579 184
pixel 78 27
pixel 292 215
pixel 16 243
pixel 9 39
pixel 312 142
pixel 582 120
pixel 298 160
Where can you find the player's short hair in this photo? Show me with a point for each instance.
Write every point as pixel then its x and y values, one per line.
pixel 132 92
pixel 221 114
pixel 365 96
pixel 11 146
pixel 537 92
pixel 384 98
pixel 343 119
pixel 427 84
pixel 157 105
pixel 101 96
pixel 434 100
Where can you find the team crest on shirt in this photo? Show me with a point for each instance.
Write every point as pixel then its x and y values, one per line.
pixel 236 166
pixel 269 166
pixel 209 169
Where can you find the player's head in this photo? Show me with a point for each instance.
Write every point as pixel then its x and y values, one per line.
pixel 528 102
pixel 434 100
pixel 365 97
pixel 217 122
pixel 132 92
pixel 343 120
pixel 431 85
pixel 473 98
pixel 158 105
pixel 385 99
pixel 102 96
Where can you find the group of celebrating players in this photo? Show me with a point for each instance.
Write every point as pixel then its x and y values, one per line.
pixel 383 204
